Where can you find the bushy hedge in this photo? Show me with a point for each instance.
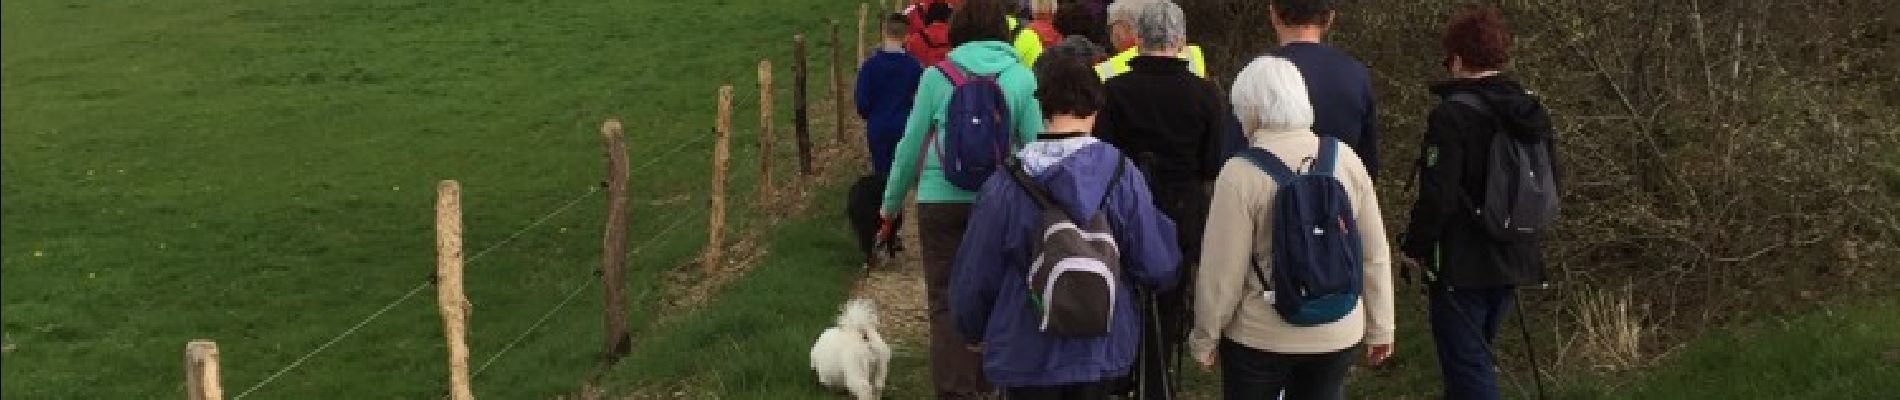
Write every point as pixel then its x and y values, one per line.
pixel 1724 157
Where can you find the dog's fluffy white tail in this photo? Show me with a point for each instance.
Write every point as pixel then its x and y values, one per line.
pixel 859 314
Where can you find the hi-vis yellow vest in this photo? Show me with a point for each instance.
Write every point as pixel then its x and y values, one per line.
pixel 1028 43
pixel 1197 62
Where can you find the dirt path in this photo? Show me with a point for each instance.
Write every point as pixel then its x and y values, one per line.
pixel 898 289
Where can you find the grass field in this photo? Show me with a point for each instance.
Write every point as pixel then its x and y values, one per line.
pixel 261 173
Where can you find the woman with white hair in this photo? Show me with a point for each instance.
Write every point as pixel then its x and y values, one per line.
pixel 1238 318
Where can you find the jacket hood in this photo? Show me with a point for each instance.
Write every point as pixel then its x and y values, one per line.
pixel 985 57
pixel 1520 110
pixel 1077 171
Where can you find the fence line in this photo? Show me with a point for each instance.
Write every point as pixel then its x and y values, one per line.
pixel 412 293
pixel 537 325
pixel 571 295
pixel 800 70
pixel 675 150
pixel 326 345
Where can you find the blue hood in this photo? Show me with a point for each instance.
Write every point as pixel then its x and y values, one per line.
pixel 988 296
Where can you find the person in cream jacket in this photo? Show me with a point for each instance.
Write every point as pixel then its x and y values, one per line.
pixel 1258 352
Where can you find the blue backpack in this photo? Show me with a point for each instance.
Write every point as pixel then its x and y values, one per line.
pixel 1316 271
pixel 977 132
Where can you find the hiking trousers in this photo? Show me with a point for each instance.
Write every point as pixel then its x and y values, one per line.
pixel 1464 321
pixel 1252 374
pixel 955 371
pixel 1073 391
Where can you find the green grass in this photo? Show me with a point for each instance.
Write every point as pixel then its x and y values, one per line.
pixel 1849 350
pixel 260 173
pixel 753 339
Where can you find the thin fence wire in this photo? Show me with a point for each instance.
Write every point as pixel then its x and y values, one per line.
pixel 651 161
pixel 412 293
pixel 537 325
pixel 669 153
pixel 571 295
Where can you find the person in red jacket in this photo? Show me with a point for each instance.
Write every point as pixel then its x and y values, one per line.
pixel 929 38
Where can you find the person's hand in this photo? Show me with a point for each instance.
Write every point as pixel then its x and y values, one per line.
pixel 1378 353
pixel 1207 361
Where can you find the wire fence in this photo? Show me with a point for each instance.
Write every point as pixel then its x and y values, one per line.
pixel 545 317
pixel 521 339
pixel 543 219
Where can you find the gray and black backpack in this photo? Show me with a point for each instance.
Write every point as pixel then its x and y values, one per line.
pixel 1074 276
pixel 1520 191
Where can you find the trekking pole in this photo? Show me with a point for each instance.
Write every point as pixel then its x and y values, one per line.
pixel 1537 370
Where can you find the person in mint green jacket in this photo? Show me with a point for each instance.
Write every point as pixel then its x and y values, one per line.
pixel 978 31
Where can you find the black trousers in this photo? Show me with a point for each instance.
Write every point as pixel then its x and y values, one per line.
pixel 1166 316
pixel 1250 374
pixel 1077 391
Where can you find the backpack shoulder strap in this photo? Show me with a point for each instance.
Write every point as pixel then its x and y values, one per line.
pixel 1029 183
pixel 1267 162
pixel 1472 100
pixel 1114 182
pixel 1328 160
pixel 950 70
pixel 1477 103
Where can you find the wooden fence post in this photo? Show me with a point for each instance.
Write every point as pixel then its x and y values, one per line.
pixel 837 87
pixel 765 131
pixel 201 371
pixel 863 10
pixel 716 228
pixel 613 258
pixel 801 121
pixel 448 274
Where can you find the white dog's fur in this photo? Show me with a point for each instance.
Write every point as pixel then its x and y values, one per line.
pixel 852 356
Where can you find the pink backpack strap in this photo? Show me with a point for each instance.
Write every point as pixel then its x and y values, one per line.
pixel 950 70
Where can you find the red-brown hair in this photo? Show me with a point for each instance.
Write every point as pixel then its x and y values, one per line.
pixel 1478 37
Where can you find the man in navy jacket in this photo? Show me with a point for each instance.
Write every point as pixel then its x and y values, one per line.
pixel 1339 86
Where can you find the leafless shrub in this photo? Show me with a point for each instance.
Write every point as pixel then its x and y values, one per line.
pixel 1610 330
pixel 1723 157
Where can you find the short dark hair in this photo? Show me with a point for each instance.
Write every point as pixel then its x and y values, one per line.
pixel 1075 18
pixel 896 26
pixel 1066 84
pixel 1478 37
pixel 1303 12
pixel 979 20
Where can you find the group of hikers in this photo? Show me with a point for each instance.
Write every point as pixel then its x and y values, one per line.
pixel 1092 208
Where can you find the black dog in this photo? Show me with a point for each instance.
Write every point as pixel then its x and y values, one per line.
pixel 861 207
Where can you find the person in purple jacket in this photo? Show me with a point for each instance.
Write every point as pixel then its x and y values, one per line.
pixel 988 293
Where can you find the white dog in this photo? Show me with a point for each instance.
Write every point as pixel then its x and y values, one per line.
pixel 852 356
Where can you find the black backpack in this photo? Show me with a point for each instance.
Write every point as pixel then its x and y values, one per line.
pixel 1520 188
pixel 1072 281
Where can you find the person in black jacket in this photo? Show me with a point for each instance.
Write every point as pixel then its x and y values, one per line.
pixel 1170 121
pixel 1472 276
